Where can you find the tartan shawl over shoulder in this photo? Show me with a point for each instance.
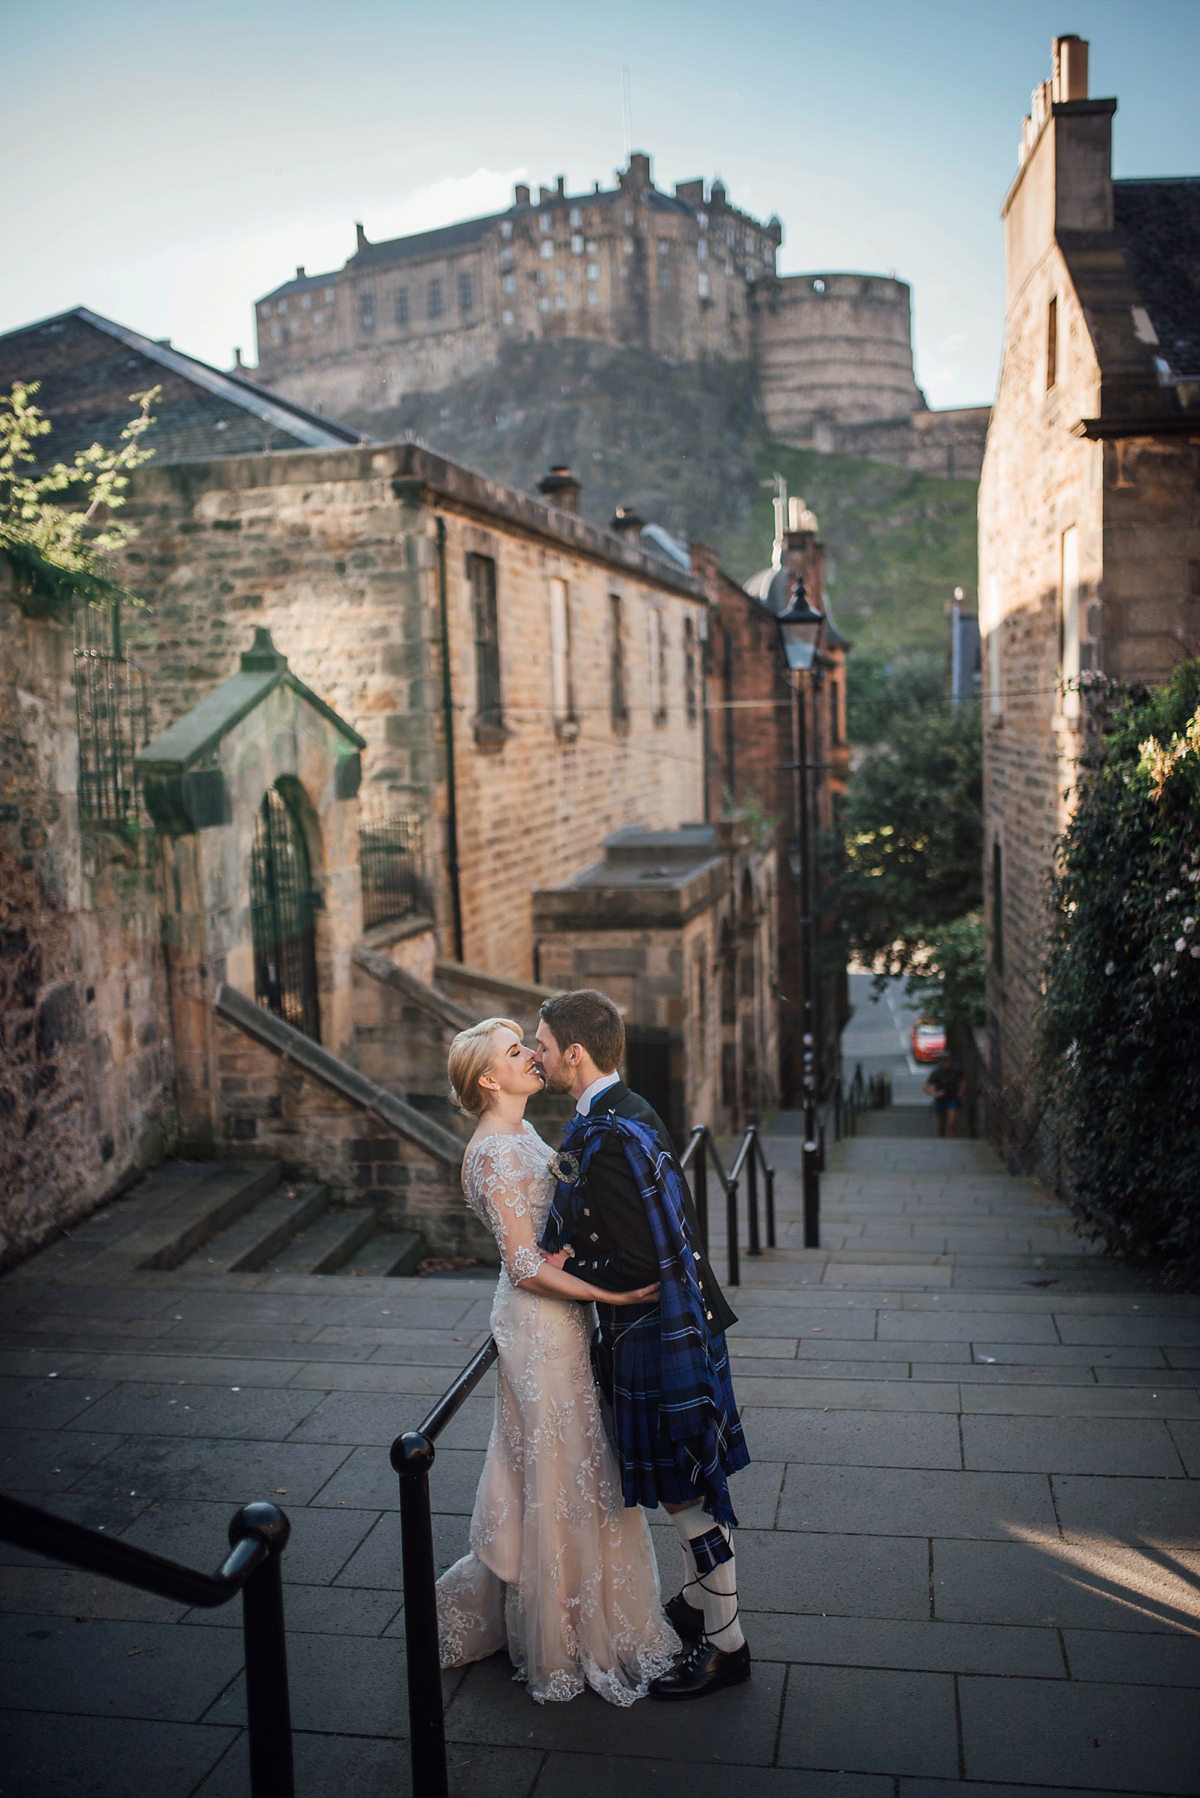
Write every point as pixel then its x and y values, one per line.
pixel 690 1409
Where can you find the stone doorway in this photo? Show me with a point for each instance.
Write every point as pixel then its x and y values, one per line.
pixel 281 916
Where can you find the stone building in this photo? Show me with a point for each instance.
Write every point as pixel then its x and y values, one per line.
pixel 753 749
pixel 1089 512
pixel 672 273
pixel 684 275
pixel 269 839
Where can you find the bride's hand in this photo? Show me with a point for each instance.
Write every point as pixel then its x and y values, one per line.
pixel 643 1295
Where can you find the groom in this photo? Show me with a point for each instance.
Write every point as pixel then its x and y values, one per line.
pixel 623 1207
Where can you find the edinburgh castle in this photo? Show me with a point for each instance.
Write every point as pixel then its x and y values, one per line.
pixel 686 277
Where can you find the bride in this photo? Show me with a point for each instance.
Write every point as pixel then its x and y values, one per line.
pixel 559 1572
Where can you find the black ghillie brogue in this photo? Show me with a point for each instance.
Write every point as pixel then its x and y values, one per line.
pixel 686 1619
pixel 703 1669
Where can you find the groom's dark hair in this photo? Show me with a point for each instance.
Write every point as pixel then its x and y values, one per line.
pixel 587 1017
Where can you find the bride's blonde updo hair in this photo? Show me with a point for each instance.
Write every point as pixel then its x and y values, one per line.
pixel 471 1056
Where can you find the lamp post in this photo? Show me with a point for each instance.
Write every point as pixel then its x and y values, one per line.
pixel 800 629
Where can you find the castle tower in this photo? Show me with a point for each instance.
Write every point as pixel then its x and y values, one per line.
pixel 834 350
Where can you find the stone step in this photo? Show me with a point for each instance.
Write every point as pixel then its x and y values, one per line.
pixel 390 1252
pixel 327 1242
pixel 199 1212
pixel 254 1239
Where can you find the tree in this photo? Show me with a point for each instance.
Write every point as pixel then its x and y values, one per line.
pixel 58 545
pixel 1118 1042
pixel 914 837
pixel 951 986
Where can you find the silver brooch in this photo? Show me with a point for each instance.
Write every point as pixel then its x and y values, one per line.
pixel 565 1167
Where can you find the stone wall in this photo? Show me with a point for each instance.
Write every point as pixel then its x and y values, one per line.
pixel 85 1059
pixel 344 555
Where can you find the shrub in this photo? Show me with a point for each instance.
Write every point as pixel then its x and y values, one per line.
pixel 1118 1043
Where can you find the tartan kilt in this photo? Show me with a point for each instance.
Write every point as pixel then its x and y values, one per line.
pixel 655 1470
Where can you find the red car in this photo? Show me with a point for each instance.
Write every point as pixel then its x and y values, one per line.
pixel 928 1040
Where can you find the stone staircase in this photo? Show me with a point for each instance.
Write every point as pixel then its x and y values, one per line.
pixel 226 1218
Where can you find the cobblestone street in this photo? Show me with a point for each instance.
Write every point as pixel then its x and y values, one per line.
pixel 969 1552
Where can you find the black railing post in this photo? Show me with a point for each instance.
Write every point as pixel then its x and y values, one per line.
pixel 700 1182
pixel 752 1191
pixel 731 1226
pixel 412 1457
pixel 268 1708
pixel 770 1178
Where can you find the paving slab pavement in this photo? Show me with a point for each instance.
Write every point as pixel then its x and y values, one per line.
pixel 969 1560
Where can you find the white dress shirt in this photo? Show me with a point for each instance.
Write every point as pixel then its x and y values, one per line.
pixel 583 1104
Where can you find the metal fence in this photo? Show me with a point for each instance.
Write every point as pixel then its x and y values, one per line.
pixel 389 856
pixel 111 716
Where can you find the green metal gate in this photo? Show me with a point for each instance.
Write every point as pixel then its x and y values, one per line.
pixel 281 917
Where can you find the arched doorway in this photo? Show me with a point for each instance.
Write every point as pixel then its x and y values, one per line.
pixel 281 917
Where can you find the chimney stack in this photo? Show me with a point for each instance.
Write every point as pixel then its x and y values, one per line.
pixel 560 488
pixel 561 184
pixel 360 238
pixel 299 271
pixel 522 194
pixel 627 524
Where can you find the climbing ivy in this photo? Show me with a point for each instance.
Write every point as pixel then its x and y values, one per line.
pixel 1118 1040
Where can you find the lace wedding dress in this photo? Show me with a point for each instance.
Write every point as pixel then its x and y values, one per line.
pixel 559 1572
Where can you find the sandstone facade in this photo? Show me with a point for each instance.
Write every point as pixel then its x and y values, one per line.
pixel 1089 510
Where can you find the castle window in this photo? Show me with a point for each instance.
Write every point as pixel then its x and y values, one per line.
pixel 560 302
pixel 366 311
pixel 466 298
pixel 593 297
pixel 1052 343
pixel 703 285
pixel 560 275
pixel 402 305
pixel 330 296
pixel 664 278
pixel 702 220
pixel 702 250
pixel 434 299
pixel 818 286
pixel 265 309
pixel 506 259
pixel 547 248
pixel 577 246
pixel 658 666
pixel 689 669
pixel 481 573
pixel 276 332
pixel 544 303
pixel 664 246
pixel 506 318
pixel 509 283
pixel 576 219
pixel 628 246
pixel 560 654
pixel 593 271
pixel 591 249
pixel 629 215
pixel 542 277
pixel 306 301
pixel 618 698
pixel 506 228
pixel 282 307
pixel 545 223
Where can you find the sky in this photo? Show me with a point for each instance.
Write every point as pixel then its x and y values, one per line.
pixel 166 163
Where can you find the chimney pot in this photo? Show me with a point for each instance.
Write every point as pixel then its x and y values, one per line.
pixel 627 524
pixel 1070 79
pixel 561 184
pixel 561 488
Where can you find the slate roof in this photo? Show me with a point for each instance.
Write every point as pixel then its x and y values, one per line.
pixel 421 243
pixel 88 367
pixel 1158 222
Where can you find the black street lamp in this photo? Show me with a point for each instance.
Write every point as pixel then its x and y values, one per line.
pixel 800 629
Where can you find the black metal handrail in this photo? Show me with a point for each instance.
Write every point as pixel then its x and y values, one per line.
pixel 750 1157
pixel 412 1456
pixel 258 1535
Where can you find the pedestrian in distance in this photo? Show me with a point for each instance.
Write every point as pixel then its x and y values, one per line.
pixel 946 1085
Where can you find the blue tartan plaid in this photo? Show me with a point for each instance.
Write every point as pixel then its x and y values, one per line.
pixel 692 1423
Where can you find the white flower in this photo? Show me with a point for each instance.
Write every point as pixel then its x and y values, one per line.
pixel 1180 945
pixel 1174 893
pixel 1189 924
pixel 1192 874
pixel 1157 968
pixel 1195 951
pixel 1110 967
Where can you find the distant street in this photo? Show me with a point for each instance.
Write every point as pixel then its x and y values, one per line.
pixel 878 1038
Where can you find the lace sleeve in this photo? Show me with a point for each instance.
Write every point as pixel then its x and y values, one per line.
pixel 501 1190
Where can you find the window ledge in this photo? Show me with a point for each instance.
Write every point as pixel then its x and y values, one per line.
pixel 489 736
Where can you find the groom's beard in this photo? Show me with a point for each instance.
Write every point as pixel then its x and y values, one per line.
pixel 552 1085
